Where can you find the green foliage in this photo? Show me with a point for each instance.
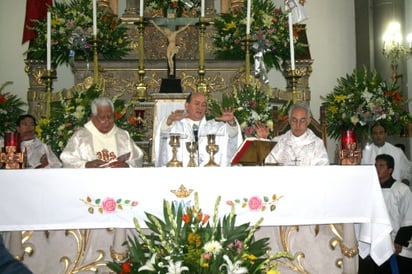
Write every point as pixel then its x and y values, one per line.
pixel 10 109
pixel 72 33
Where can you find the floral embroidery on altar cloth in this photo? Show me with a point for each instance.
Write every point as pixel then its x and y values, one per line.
pixel 256 203
pixel 108 204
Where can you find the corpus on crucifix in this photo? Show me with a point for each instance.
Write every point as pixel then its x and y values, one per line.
pixel 172 48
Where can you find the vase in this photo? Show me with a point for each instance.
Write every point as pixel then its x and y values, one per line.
pixel 347 137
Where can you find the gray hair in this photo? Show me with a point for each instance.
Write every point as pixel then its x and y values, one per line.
pixel 101 102
pixel 303 105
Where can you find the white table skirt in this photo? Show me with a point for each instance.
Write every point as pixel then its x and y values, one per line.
pixel 51 199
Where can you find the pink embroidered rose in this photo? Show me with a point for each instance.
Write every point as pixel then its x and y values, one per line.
pixel 135 203
pixel 230 203
pixel 109 205
pixel 255 203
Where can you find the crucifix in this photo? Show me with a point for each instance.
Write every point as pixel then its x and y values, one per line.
pixel 296 161
pixel 168 26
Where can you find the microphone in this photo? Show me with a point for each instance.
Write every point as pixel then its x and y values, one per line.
pixel 196 132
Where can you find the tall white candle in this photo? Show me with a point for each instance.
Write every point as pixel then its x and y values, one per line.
pixel 48 58
pixel 202 8
pixel 292 47
pixel 248 17
pixel 94 18
pixel 141 8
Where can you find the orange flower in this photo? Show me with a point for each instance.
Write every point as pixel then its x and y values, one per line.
pixel 132 120
pixel 118 115
pixel 186 218
pixel 3 99
pixel 126 268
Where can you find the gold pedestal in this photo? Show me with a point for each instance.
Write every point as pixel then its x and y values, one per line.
pixel 174 143
pixel 211 148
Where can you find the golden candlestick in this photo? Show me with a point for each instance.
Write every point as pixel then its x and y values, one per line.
pixel 95 61
pixel 48 78
pixel 141 88
pixel 201 83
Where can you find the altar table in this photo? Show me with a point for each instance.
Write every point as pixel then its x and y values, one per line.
pixel 58 199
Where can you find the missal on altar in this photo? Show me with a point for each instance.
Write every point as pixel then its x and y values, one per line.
pixel 252 152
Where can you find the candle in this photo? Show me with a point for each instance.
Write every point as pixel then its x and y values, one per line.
pixel 94 18
pixel 292 48
pixel 141 8
pixel 248 17
pixel 48 47
pixel 202 8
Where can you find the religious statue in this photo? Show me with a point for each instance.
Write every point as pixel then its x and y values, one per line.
pixel 172 48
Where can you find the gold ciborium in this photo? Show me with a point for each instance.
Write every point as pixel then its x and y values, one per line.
pixel 191 148
pixel 211 148
pixel 174 142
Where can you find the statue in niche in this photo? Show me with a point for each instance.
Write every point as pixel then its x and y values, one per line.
pixel 172 48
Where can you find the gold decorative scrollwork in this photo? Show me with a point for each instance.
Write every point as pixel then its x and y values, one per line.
pixel 295 265
pixel 82 238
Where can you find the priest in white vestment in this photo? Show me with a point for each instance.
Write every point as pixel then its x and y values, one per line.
pixel 100 143
pixel 299 146
pixel 191 125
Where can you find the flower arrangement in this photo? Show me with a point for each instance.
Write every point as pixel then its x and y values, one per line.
pixel 72 33
pixel 269 32
pixel 188 240
pixel 361 99
pixel 10 109
pixel 68 114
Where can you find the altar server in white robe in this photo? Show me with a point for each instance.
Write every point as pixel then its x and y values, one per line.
pixel 299 146
pixel 398 200
pixel 39 154
pixel 191 125
pixel 403 167
pixel 100 143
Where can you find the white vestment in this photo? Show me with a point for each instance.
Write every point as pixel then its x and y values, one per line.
pixel 403 167
pixel 398 200
pixel 228 139
pixel 80 148
pixel 305 150
pixel 35 151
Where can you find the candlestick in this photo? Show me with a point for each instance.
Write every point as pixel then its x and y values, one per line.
pixel 248 17
pixel 48 41
pixel 94 18
pixel 292 48
pixel 141 8
pixel 202 8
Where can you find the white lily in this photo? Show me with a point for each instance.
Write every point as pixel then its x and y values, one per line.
pixel 233 268
pixel 176 268
pixel 149 264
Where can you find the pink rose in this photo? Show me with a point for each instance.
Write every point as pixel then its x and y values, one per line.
pixel 135 203
pixel 255 203
pixel 109 205
pixel 229 203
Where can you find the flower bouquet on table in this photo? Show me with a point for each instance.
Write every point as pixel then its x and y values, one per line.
pixel 73 111
pixel 72 33
pixel 268 30
pixel 361 99
pixel 10 109
pixel 187 240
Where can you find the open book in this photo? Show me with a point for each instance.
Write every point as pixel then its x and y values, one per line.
pixel 252 151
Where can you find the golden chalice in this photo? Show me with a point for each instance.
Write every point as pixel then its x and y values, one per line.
pixel 211 148
pixel 174 142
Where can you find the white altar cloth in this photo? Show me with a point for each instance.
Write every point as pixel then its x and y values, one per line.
pixel 51 199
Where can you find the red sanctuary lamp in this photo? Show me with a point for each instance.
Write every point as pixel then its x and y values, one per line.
pixel 348 137
pixel 349 153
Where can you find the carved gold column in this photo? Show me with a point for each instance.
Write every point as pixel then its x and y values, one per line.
pixel 201 83
pixel 141 92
